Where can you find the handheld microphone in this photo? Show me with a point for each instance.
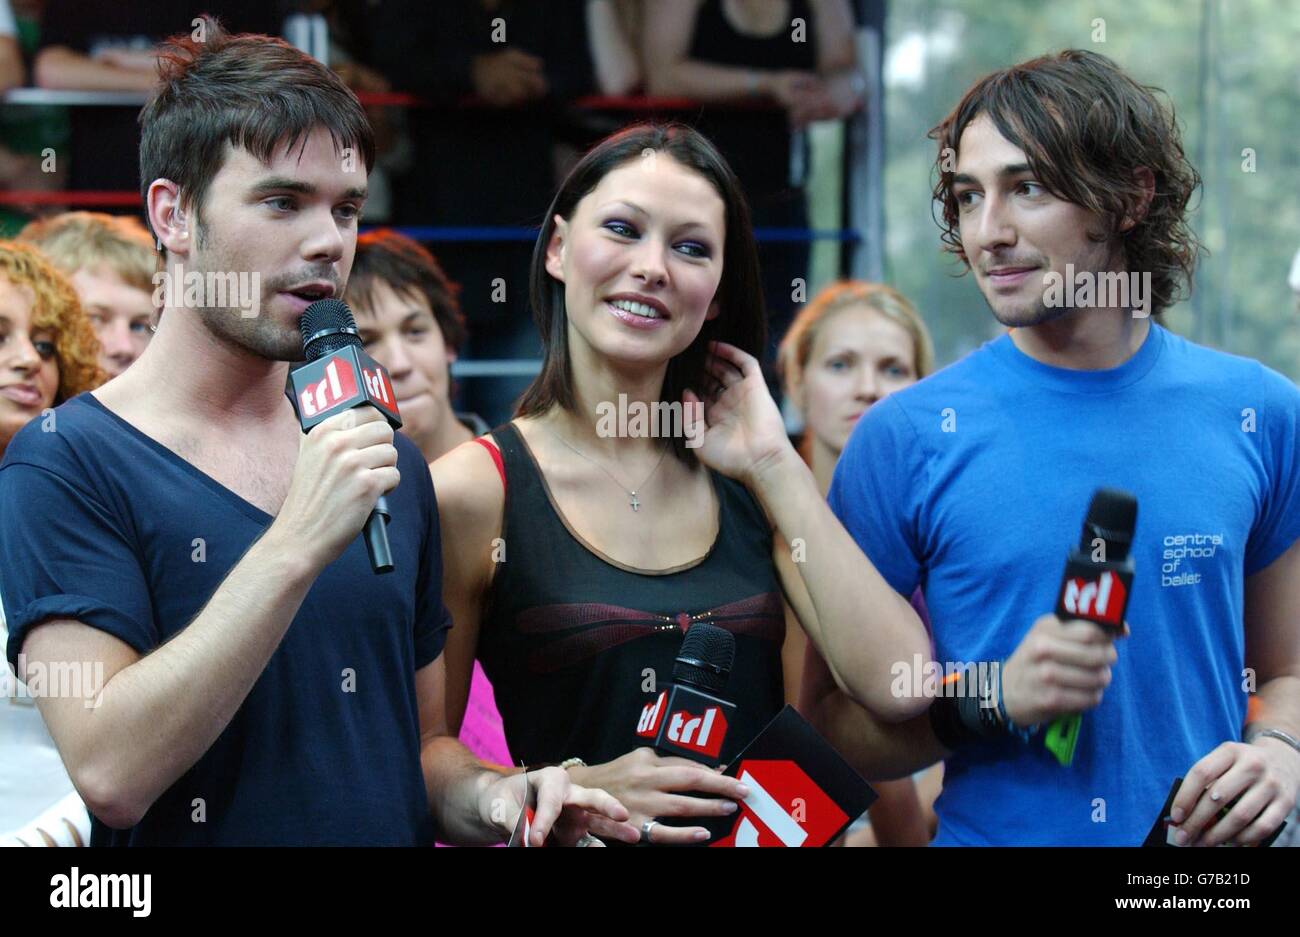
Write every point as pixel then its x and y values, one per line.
pixel 338 375
pixel 1097 582
pixel 687 719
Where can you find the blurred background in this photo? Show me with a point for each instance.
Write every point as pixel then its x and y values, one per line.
pixel 822 106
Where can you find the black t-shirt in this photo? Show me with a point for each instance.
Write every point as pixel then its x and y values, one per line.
pixel 106 140
pixel 104 525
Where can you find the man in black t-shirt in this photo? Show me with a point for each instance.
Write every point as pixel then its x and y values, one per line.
pixel 251 680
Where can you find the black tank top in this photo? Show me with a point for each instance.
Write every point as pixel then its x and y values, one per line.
pixel 716 40
pixel 756 142
pixel 569 637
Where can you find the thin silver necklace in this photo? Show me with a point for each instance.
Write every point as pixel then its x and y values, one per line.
pixel 631 492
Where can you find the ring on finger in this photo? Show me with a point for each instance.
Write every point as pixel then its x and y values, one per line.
pixel 646 827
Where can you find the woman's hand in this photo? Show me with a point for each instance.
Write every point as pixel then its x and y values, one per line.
pixel 741 430
pixel 564 811
pixel 647 784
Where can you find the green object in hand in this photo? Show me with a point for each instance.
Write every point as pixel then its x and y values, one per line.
pixel 1062 735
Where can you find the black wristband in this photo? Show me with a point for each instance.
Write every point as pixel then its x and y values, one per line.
pixel 947 725
pixel 970 714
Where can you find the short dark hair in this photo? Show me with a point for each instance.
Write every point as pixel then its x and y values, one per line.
pixel 254 92
pixel 742 317
pixel 384 254
pixel 1086 127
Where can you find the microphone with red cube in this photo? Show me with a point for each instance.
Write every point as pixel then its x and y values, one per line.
pixel 1096 586
pixel 802 793
pixel 338 375
pixel 687 719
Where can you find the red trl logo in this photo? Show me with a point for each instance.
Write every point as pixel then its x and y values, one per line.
pixel 1101 599
pixel 378 387
pixel 338 384
pixel 652 714
pixel 703 733
pixel 785 807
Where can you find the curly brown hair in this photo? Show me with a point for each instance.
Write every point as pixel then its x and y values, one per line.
pixel 1086 128
pixel 56 308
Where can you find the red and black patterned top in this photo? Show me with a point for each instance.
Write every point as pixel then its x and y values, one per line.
pixel 572 639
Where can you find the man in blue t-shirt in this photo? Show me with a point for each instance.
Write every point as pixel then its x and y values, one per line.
pixel 175 542
pixel 1064 189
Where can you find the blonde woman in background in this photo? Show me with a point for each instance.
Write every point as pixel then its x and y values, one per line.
pixel 852 346
pixel 111 262
pixel 47 355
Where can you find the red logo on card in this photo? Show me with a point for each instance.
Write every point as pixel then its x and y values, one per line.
pixel 785 807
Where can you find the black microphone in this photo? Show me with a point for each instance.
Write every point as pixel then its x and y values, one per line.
pixel 338 375
pixel 1096 585
pixel 688 719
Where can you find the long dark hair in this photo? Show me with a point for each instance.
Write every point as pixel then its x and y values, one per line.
pixel 1086 128
pixel 742 317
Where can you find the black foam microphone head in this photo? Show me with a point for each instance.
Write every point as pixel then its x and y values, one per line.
pixel 327 325
pixel 1112 517
pixel 707 655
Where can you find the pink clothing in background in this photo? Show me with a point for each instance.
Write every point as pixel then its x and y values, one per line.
pixel 481 731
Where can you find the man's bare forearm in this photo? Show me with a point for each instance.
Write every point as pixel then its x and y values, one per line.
pixel 456 783
pixel 877 749
pixel 157 716
pixel 1278 707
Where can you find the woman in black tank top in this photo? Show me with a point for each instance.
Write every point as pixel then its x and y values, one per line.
pixel 584 538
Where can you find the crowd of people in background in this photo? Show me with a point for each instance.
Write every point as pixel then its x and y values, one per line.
pixel 499 79
pixel 78 306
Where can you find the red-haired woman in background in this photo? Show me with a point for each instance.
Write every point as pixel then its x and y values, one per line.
pixel 853 345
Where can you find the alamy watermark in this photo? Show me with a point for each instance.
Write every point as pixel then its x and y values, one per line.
pixel 1110 290
pixel 931 679
pixel 660 419
pixel 210 289
pixel 61 679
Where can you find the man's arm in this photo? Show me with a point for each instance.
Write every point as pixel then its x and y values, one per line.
pixel 454 780
pixel 474 803
pixel 1059 668
pixel 877 749
pixel 1272 611
pixel 1264 773
pixel 156 715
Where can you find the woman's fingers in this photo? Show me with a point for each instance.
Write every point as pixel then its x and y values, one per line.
pixel 743 361
pixel 623 832
pixel 677 805
pixel 695 778
pixel 663 835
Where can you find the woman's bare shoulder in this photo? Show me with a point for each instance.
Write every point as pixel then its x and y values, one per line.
pixel 467 484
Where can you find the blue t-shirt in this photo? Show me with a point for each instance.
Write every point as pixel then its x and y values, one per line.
pixel 974 484
pixel 104 525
